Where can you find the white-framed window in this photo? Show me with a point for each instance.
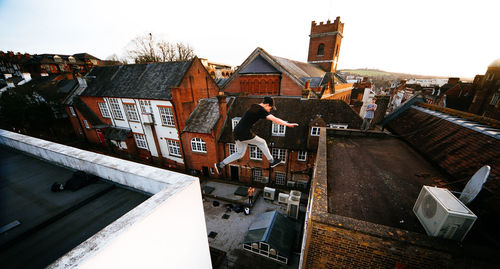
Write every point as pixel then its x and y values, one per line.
pixel 279 154
pixel 302 156
pixel 255 153
pixel 174 148
pixel 315 131
pixel 338 126
pixel 86 124
pixel 167 117
pixel 198 145
pixel 140 141
pixel 72 111
pixel 494 99
pixel 257 174
pixel 278 130
pixel 116 110
pixel 146 106
pixel 235 121
pixel 104 110
pixel 280 178
pixel 131 112
pixel 231 148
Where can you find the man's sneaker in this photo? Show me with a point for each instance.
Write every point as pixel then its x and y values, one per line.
pixel 218 167
pixel 274 163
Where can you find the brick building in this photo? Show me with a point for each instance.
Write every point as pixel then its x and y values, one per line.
pixel 140 110
pixel 295 146
pixel 365 186
pixel 487 93
pixel 265 74
pixel 324 44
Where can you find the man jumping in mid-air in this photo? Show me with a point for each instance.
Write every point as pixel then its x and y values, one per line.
pixel 244 136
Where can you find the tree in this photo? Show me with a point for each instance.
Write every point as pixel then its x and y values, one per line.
pixel 146 49
pixel 115 58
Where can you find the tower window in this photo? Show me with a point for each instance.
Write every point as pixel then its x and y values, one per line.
pixel 321 49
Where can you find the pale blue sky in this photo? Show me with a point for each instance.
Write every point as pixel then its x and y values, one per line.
pixel 438 37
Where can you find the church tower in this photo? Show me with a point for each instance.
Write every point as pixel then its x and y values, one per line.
pixel 324 44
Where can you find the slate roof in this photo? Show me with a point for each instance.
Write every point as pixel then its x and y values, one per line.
pixel 117 133
pixel 274 229
pixel 204 117
pixel 88 113
pixel 261 61
pixel 291 109
pixel 144 81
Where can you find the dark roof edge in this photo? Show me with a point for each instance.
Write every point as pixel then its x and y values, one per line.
pixel 419 98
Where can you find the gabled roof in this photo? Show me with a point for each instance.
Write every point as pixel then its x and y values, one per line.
pixel 204 118
pixel 295 110
pixel 294 69
pixel 274 229
pixel 146 81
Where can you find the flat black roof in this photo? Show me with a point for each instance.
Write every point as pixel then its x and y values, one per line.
pixel 51 223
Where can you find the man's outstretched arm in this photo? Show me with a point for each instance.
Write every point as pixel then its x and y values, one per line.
pixel 280 121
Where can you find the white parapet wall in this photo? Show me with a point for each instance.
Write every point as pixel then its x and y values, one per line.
pixel 166 231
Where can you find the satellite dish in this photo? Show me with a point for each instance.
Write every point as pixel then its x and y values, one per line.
pixel 475 185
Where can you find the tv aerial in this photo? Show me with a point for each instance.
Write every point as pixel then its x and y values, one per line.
pixel 475 184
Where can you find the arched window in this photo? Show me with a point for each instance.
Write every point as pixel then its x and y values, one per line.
pixel 321 49
pixel 198 145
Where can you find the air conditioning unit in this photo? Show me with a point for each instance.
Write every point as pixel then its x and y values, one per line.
pixel 269 193
pixel 283 198
pixel 293 204
pixel 147 118
pixel 290 184
pixel 442 214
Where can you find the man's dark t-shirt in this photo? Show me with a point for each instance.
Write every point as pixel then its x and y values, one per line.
pixel 243 130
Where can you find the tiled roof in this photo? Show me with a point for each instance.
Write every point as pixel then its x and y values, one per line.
pixel 204 117
pixel 294 110
pixel 147 81
pixel 457 148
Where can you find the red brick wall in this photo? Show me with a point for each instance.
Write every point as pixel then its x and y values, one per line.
pixel 74 122
pixel 196 84
pixel 336 247
pixel 290 87
pixel 233 86
pixel 260 84
pixel 196 160
pixel 331 43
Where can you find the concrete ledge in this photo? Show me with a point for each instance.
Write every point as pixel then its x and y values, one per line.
pixel 138 176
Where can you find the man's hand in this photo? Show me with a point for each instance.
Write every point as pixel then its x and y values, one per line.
pixel 291 125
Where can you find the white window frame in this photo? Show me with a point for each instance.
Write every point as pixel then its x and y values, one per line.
pixel 235 121
pixel 255 153
pixel 279 154
pixel 302 156
pixel 280 178
pixel 104 110
pixel 140 141
pixel 278 129
pixel 86 123
pixel 72 111
pixel 198 145
pixel 494 99
pixel 257 174
pixel 338 126
pixel 146 107
pixel 174 148
pixel 131 111
pixel 315 131
pixel 231 148
pixel 167 116
pixel 116 110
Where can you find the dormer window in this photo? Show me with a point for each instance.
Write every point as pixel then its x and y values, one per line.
pixel 57 59
pixel 315 131
pixel 321 50
pixel 278 130
pixel 235 121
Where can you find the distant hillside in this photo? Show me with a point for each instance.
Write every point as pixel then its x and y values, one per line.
pixel 375 73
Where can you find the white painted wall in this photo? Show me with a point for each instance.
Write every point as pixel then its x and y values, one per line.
pixel 166 231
